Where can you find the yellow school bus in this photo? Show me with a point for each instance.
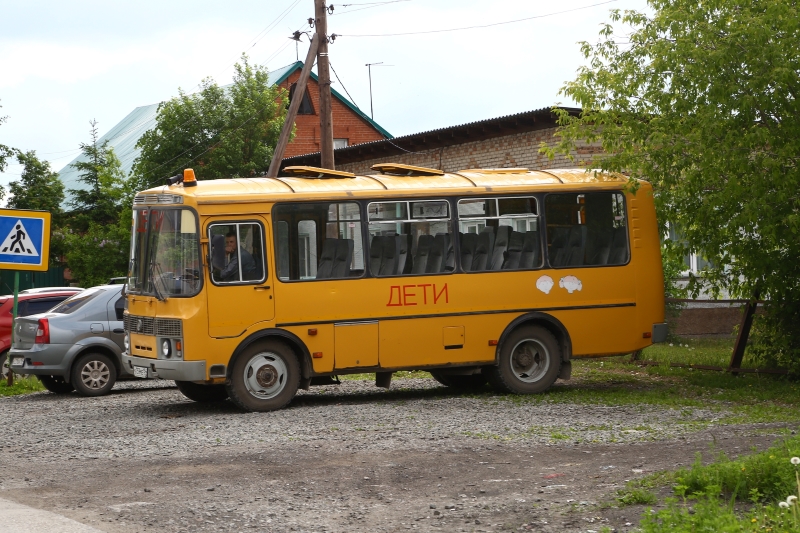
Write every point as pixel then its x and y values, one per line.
pixel 250 289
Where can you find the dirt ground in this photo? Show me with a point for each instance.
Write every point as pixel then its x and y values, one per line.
pixel 454 483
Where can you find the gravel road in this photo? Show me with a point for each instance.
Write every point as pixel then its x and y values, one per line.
pixel 348 457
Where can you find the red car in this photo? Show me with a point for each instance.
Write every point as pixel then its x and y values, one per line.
pixel 30 302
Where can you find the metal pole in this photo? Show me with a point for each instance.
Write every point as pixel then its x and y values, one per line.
pixel 371 113
pixel 10 377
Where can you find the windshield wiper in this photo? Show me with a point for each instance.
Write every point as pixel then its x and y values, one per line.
pixel 157 292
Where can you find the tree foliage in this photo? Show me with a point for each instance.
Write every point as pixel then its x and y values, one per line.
pixel 221 132
pixel 106 186
pixel 701 99
pixel 39 188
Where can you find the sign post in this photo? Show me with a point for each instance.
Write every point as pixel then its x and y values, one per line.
pixel 24 245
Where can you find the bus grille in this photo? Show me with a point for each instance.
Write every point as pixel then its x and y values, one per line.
pixel 168 327
pixel 145 325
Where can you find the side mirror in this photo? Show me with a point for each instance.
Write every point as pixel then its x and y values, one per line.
pixel 218 252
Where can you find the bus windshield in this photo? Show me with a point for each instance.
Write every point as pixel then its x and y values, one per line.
pixel 165 253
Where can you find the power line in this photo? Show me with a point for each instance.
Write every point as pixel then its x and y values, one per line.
pixel 479 26
pixel 343 87
pixel 369 5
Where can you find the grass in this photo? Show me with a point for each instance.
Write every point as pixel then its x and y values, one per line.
pixel 21 386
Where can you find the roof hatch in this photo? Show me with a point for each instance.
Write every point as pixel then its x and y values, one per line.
pixel 496 170
pixel 405 170
pixel 315 172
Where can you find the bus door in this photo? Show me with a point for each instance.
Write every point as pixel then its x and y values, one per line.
pixel 239 290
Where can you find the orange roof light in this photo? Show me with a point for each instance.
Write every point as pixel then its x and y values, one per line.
pixel 188 178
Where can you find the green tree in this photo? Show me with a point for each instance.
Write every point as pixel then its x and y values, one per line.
pixel 100 253
pixel 39 188
pixel 701 99
pixel 107 188
pixel 221 132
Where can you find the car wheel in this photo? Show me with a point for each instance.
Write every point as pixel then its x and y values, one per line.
pixel 469 381
pixel 93 374
pixel 530 360
pixel 264 377
pixel 56 384
pixel 202 393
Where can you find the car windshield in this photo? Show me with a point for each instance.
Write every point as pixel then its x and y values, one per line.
pixel 73 303
pixel 165 253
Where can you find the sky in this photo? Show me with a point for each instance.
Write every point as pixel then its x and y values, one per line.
pixel 63 64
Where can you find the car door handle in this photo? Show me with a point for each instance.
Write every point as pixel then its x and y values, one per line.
pixel 118 330
pixel 261 287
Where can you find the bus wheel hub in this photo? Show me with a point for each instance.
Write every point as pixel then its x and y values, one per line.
pixel 267 376
pixel 524 359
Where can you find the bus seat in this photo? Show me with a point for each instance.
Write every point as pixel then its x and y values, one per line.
pixel 529 257
pixel 619 247
pixel 558 246
pixel 376 254
pixel 437 254
pixel 500 247
pixel 598 246
pixel 424 245
pixel 514 251
pixel 483 250
pixel 342 259
pixel 577 245
pixel 449 254
pixel 389 257
pixel 468 243
pixel 325 266
pixel 403 257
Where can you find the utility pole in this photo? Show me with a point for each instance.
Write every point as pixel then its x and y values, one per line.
pixel 323 66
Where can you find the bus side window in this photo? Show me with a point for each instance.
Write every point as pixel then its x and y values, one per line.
pixel 499 234
pixel 410 238
pixel 320 240
pixel 586 229
pixel 244 252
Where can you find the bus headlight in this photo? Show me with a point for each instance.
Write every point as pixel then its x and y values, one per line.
pixel 166 348
pixel 126 341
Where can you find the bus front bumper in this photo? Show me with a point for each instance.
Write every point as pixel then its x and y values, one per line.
pixel 166 368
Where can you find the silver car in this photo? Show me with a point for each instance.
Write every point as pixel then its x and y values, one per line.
pixel 76 345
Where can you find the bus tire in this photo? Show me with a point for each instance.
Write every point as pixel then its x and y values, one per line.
pixel 470 381
pixel 530 361
pixel 264 377
pixel 202 393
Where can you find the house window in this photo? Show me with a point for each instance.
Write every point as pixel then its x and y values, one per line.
pixel 305 106
pixel 339 143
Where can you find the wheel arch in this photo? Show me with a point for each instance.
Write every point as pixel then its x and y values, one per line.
pixel 549 322
pixel 93 348
pixel 290 339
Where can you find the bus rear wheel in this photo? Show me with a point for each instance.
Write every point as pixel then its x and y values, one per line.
pixel 202 393
pixel 265 377
pixel 469 381
pixel 530 360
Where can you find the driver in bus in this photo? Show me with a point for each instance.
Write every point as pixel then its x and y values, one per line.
pixel 231 270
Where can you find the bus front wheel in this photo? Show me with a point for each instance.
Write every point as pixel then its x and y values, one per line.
pixel 530 360
pixel 264 377
pixel 202 393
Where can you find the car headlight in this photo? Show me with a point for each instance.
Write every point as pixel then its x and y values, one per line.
pixel 166 348
pixel 126 341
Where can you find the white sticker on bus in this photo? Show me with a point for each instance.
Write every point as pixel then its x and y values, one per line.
pixel 571 283
pixel 544 284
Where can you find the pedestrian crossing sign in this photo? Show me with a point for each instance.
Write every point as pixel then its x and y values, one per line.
pixel 24 239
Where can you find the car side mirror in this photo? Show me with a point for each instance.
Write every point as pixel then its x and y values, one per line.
pixel 218 252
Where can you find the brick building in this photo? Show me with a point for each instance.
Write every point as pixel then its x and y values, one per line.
pixel 510 141
pixel 351 126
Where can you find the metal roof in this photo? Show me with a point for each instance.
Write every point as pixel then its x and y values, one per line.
pixel 124 135
pixel 437 138
pixel 473 181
